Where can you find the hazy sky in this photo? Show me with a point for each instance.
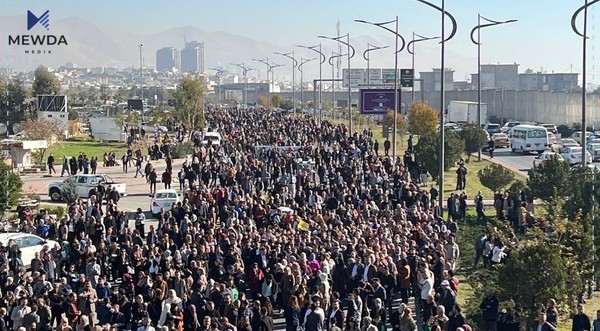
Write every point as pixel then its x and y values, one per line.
pixel 541 38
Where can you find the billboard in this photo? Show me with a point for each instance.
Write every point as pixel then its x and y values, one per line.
pixel 407 77
pixel 376 101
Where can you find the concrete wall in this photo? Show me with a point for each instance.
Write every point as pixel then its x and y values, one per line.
pixel 533 106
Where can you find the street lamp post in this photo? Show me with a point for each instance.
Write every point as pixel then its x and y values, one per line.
pixel 302 62
pixel 219 75
pixel 350 54
pixel 290 56
pixel 412 53
pixel 317 49
pixel 583 8
pixel 334 55
pixel 397 50
pixel 367 58
pixel 245 71
pixel 478 43
pixel 444 39
pixel 141 46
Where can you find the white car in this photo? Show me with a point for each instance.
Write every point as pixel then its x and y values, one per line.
pixel 163 199
pixel 507 126
pixel 85 184
pixel 543 158
pixel 573 155
pixel 28 244
pixel 213 137
pixel 577 135
pixel 594 149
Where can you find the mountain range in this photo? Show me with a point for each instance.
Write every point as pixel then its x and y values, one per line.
pixel 90 45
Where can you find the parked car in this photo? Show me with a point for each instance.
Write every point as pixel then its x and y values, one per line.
pixel 501 140
pixel 544 157
pixel 574 155
pixel 577 136
pixel 550 128
pixel 163 199
pixel 85 184
pixel 563 143
pixel 28 244
pixel 594 149
pixel 492 128
pixel 509 125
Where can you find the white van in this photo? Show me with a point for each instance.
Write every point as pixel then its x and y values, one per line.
pixel 213 137
pixel 529 138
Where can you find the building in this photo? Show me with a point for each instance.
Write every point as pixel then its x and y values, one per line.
pixel 167 59
pixel 431 80
pixel 497 77
pixel 555 82
pixel 54 108
pixel 192 57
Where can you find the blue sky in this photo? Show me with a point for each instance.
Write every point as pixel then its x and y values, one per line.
pixel 542 37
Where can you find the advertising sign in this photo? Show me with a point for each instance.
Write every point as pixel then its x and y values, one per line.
pixel 376 101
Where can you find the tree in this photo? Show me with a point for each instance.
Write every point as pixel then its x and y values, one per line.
pixel 474 137
pixel 69 191
pixel 541 275
pixel 10 186
pixel 263 101
pixel 13 101
pixel 189 103
pixel 422 118
pixel 545 179
pixel 388 120
pixel 276 100
pixel 495 177
pixel 428 148
pixel 45 82
pixel 73 114
pixel 42 129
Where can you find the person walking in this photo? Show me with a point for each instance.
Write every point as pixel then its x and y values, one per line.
pixel 489 309
pixel 139 222
pixel 491 148
pixel 138 168
pixel 152 179
pixel 51 164
pixel 167 178
pixel 65 167
pixel 386 147
pixel 461 177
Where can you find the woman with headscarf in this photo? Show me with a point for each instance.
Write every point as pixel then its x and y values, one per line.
pixel 190 319
pixel 171 299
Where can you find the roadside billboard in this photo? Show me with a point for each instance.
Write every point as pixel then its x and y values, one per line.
pixel 376 101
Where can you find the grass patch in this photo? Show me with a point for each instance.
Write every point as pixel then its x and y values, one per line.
pixel 473 183
pixel 90 148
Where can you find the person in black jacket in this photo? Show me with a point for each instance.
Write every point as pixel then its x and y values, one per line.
pixel 489 308
pixel 545 325
pixel 581 321
pixel 456 318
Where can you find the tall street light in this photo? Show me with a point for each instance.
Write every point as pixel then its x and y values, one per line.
pixel 245 71
pixel 350 54
pixel 441 156
pixel 367 58
pixel 477 42
pixel 397 50
pixel 412 53
pixel 302 62
pixel 583 34
pixel 290 56
pixel 334 55
pixel 141 46
pixel 317 49
pixel 220 71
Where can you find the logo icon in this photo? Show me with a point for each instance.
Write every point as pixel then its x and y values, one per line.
pixel 43 20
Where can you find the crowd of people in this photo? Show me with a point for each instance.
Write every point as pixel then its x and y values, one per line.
pixel 313 226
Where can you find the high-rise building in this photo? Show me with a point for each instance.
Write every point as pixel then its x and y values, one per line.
pixel 167 59
pixel 192 57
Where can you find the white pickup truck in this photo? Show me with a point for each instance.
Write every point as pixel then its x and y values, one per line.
pixel 85 184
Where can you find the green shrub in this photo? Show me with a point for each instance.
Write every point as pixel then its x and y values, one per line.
pixel 59 211
pixel 69 191
pixel 179 151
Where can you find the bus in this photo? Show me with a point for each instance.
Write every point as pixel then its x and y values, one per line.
pixel 528 138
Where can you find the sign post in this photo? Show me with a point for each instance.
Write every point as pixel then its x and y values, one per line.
pixel 407 78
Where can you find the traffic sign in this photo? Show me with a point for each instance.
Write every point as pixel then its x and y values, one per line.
pixel 407 77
